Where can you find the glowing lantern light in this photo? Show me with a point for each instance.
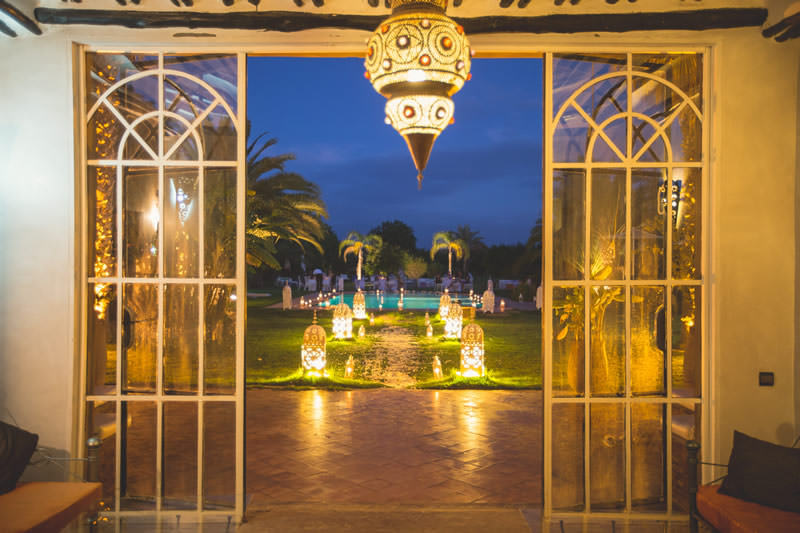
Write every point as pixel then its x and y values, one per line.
pixel 302 302
pixel 472 363
pixel 452 326
pixel 437 367
pixel 429 331
pixel 359 307
pixel 287 296
pixel 342 322
pixel 427 319
pixel 400 304
pixel 312 353
pixel 488 301
pixel 361 331
pixel 349 367
pixel 444 305
pixel 418 58
pixel 372 319
pixel 502 305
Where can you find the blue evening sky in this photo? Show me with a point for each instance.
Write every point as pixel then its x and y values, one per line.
pixel 485 170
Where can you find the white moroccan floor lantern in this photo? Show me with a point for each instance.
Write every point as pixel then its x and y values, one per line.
pixel 444 306
pixel 437 367
pixel 312 353
pixel 342 321
pixel 472 363
pixel 488 301
pixel 287 297
pixel 361 331
pixel 349 368
pixel 359 306
pixel 429 331
pixel 455 317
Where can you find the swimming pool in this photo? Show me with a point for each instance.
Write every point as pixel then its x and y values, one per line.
pixel 423 302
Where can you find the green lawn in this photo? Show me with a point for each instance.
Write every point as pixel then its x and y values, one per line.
pixel 512 345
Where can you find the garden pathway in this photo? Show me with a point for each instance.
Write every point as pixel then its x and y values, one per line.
pixel 394 362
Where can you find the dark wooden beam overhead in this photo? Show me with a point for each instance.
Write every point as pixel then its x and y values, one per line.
pixel 24 20
pixel 788 28
pixel 290 21
pixel 6 30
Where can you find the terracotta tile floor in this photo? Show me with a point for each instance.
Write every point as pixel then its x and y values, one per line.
pixel 394 447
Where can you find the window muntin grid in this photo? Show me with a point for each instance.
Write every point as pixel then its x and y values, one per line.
pixel 611 151
pixel 163 143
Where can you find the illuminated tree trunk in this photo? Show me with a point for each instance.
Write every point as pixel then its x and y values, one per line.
pixel 449 261
pixel 358 267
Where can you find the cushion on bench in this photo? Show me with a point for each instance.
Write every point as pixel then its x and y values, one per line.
pixel 732 515
pixel 47 505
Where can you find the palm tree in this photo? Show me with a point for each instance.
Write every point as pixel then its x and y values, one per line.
pixel 280 205
pixel 356 243
pixel 445 240
pixel 472 239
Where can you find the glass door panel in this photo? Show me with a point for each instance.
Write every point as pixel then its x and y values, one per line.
pixel 624 181
pixel 165 188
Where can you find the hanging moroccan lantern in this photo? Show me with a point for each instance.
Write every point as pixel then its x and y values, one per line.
pixel 342 322
pixel 312 353
pixel 472 362
pixel 359 305
pixel 418 58
pixel 444 306
pixel 452 326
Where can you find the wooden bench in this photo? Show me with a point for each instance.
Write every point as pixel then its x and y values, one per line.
pixel 49 506
pixel 727 514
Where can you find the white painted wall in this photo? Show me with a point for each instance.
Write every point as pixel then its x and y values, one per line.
pixel 37 237
pixel 753 208
pixel 756 178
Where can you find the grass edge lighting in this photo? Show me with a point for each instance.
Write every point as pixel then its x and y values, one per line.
pixel 418 58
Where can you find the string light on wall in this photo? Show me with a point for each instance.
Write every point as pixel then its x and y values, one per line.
pixel 418 58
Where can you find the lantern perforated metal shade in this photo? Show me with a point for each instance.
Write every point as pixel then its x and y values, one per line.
pixel 359 305
pixel 455 318
pixel 444 306
pixel 312 353
pixel 342 321
pixel 418 58
pixel 472 360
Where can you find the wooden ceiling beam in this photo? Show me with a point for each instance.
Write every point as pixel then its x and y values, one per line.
pixel 6 30
pixel 788 28
pixel 24 20
pixel 290 21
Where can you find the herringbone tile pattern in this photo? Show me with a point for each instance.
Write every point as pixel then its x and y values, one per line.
pixel 394 447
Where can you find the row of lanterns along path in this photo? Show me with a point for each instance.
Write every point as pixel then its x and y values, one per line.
pixel 313 353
